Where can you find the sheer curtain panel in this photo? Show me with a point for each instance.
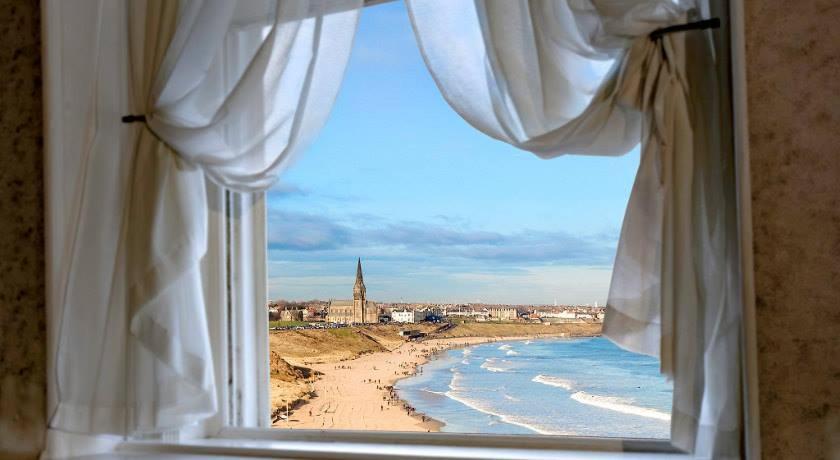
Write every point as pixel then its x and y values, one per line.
pixel 559 77
pixel 230 90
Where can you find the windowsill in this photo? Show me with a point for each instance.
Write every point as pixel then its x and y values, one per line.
pixel 381 446
pixel 348 450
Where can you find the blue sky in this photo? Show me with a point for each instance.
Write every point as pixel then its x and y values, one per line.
pixel 436 210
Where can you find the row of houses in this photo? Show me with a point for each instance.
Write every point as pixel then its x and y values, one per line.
pixel 419 314
pixel 485 314
pixel 336 314
pixel 556 314
pixel 360 310
pixel 570 315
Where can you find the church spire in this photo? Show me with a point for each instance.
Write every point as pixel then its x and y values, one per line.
pixel 359 287
pixel 359 277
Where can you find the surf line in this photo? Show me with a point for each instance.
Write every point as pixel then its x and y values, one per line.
pixel 605 402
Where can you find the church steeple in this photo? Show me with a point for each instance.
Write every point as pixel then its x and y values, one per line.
pixel 359 287
pixel 359 277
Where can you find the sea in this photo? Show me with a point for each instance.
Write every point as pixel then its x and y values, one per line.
pixel 552 386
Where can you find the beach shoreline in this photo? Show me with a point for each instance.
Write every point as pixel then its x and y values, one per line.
pixel 358 393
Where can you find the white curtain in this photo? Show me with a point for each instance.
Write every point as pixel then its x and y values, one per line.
pixel 231 90
pixel 583 77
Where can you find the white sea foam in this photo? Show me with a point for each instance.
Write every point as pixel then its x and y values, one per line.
pixel 453 382
pixel 466 352
pixel 513 420
pixel 511 353
pixel 457 393
pixel 619 405
pixel 465 361
pixel 494 369
pixel 503 407
pixel 565 384
pixel 440 393
pixel 490 365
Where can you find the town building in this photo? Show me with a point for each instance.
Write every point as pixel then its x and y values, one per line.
pixel 408 316
pixel 503 314
pixel 356 311
pixel 564 314
pixel 291 315
pixel 466 311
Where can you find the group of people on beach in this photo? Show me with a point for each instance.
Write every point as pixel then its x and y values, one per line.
pixel 391 399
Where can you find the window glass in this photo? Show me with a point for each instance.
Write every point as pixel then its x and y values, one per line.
pixel 425 277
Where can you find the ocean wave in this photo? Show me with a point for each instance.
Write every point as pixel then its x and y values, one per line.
pixel 510 419
pixel 511 353
pixel 453 382
pixel 466 352
pixel 439 393
pixel 565 384
pixel 490 365
pixel 504 347
pixel 511 398
pixel 619 405
pixel 465 361
pixel 493 369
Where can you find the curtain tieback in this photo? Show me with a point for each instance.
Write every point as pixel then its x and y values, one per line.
pixel 711 23
pixel 142 119
pixel 134 118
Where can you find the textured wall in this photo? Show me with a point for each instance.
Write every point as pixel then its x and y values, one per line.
pixel 22 330
pixel 793 67
pixel 794 108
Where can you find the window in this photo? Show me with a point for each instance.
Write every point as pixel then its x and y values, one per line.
pixel 407 250
pixel 470 353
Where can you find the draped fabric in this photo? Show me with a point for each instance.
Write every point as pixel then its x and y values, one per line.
pixel 230 90
pixel 583 77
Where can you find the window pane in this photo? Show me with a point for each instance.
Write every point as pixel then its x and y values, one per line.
pixel 425 277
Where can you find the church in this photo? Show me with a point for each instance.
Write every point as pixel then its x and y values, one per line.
pixel 356 311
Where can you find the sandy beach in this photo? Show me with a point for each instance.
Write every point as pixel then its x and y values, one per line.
pixel 355 393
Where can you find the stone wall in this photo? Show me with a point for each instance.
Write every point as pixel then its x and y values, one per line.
pixel 22 326
pixel 793 80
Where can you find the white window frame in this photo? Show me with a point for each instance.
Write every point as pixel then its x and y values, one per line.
pixel 234 272
pixel 235 292
pixel 245 227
